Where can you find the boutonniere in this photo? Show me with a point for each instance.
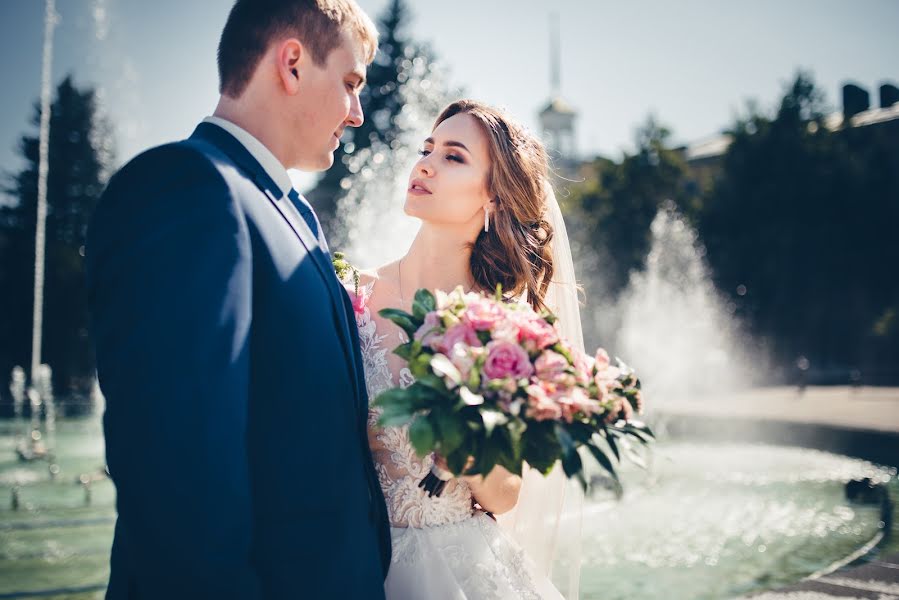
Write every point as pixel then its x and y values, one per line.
pixel 349 276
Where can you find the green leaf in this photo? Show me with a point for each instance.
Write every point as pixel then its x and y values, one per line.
pixel 403 320
pixel 581 432
pixel 421 434
pixel 571 460
pixel 540 447
pixel 432 382
pixel 603 460
pixel 395 417
pixel 404 351
pixel 393 397
pixel 642 433
pixel 450 429
pixel 398 407
pixel 489 456
pixel 457 459
pixel 423 303
pixel 610 440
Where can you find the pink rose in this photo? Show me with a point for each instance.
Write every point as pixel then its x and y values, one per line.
pixel 507 360
pixel 461 333
pixel 429 332
pixel 535 333
pixel 482 314
pixel 550 365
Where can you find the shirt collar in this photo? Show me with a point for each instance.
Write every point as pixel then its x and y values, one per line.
pixel 263 155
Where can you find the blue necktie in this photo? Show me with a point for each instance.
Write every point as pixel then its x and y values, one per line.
pixel 305 210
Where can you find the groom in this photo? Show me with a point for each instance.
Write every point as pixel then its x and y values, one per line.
pixel 236 404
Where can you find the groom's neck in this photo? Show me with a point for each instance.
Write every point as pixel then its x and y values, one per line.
pixel 251 115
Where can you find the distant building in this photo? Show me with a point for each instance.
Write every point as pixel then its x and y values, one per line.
pixel 705 156
pixel 557 118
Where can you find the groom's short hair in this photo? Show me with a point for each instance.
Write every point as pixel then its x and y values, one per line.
pixel 254 24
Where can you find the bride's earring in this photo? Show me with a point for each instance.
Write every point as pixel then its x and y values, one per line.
pixel 486 220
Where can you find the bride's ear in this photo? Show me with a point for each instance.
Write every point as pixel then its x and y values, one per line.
pixel 288 59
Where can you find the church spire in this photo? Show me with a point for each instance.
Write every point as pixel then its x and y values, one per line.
pixel 554 70
pixel 557 118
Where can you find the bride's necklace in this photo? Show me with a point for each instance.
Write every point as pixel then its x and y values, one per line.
pixel 402 297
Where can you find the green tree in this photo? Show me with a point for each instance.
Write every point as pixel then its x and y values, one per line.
pixel 382 102
pixel 618 201
pixel 799 226
pixel 80 156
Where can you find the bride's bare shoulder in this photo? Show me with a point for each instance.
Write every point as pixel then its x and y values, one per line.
pixel 382 281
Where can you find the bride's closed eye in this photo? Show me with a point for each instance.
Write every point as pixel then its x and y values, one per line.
pixel 458 159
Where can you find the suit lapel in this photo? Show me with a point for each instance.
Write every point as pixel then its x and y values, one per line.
pixel 241 156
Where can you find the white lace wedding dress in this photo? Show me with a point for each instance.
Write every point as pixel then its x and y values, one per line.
pixel 443 549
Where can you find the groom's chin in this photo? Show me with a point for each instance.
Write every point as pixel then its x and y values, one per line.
pixel 322 163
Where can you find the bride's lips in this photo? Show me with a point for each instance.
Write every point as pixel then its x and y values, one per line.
pixel 417 188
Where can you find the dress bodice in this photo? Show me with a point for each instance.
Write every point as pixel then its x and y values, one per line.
pixel 398 466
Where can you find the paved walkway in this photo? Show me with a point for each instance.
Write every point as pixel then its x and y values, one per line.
pixel 877 580
pixel 861 408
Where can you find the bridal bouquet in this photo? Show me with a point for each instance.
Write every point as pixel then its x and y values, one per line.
pixel 495 382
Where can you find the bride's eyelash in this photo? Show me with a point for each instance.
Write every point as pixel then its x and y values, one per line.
pixel 448 156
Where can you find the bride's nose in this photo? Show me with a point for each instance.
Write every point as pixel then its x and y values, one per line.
pixel 424 166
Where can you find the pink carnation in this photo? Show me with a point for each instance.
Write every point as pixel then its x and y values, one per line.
pixel 482 314
pixel 602 359
pixel 583 366
pixel 507 360
pixel 357 300
pixel 541 406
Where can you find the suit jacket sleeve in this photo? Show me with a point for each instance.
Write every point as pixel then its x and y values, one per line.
pixel 169 281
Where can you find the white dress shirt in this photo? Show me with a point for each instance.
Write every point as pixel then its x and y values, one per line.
pixel 263 155
pixel 271 165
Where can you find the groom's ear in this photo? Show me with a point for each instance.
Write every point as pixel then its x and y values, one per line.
pixel 288 57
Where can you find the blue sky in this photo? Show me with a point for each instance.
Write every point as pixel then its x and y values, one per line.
pixel 692 63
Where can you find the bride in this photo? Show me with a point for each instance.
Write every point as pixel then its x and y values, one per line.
pixel 488 217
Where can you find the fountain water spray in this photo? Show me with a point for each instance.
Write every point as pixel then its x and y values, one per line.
pixel 680 334
pixel 17 390
pixel 51 18
pixel 373 204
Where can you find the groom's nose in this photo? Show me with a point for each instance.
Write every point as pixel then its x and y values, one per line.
pixel 355 118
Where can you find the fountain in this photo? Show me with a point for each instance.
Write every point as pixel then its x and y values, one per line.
pixel 703 521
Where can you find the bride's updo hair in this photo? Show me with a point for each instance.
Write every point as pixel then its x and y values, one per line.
pixel 516 252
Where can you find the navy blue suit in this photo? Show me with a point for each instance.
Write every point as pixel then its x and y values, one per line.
pixel 236 406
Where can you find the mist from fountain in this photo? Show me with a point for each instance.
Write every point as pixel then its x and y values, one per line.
pixel 375 230
pixel 675 328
